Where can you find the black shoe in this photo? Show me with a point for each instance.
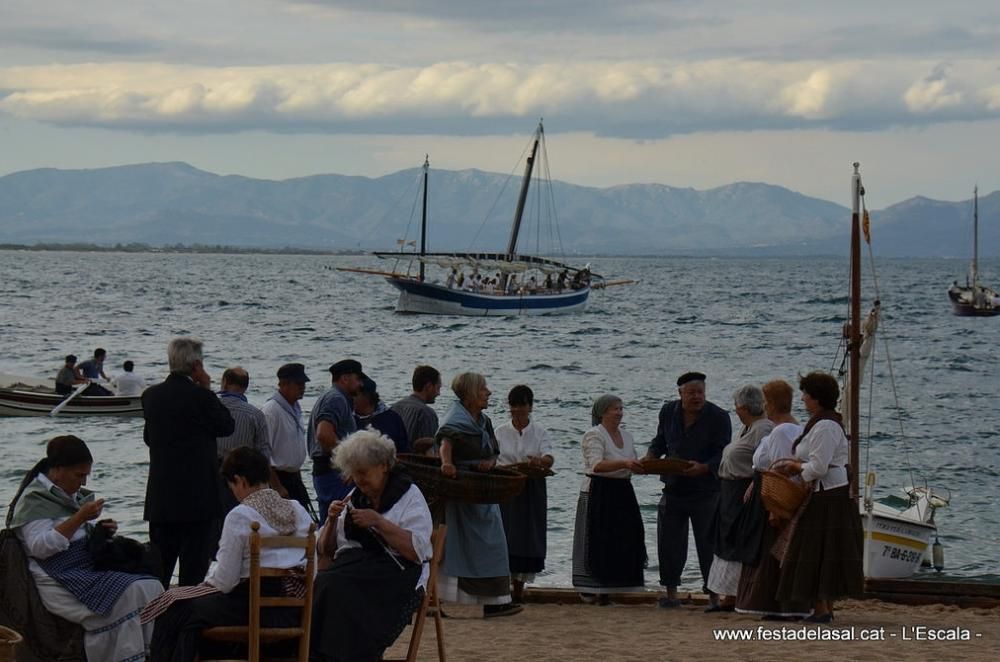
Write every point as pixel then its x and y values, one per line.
pixel 604 600
pixel 668 603
pixel 822 618
pixel 509 609
pixel 720 608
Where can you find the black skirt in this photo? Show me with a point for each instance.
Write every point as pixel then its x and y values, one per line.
pixel 525 524
pixel 729 545
pixel 615 553
pixel 360 605
pixel 824 557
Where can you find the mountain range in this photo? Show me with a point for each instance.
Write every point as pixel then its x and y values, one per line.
pixel 174 203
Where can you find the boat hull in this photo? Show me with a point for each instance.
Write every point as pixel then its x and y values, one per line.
pixel 964 302
pixel 431 299
pixel 894 546
pixel 14 402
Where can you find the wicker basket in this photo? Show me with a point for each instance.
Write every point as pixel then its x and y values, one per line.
pixel 8 642
pixel 665 466
pixel 493 486
pixel 781 495
pixel 531 470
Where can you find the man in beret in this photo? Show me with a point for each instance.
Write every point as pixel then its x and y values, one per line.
pixel 331 420
pixel 696 430
pixel 288 432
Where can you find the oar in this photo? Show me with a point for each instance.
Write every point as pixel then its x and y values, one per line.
pixel 77 391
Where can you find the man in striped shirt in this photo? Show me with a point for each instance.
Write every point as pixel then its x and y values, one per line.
pixel 250 431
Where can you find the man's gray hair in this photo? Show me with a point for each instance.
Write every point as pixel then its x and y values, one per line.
pixel 751 397
pixel 183 353
pixel 364 448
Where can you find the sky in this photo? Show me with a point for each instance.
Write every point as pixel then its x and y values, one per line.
pixel 683 93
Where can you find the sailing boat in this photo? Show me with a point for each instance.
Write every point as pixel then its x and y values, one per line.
pixel 974 300
pixel 897 532
pixel 523 284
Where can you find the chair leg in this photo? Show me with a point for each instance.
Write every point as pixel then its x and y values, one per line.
pixel 438 626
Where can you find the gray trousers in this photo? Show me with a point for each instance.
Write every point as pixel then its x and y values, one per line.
pixel 672 517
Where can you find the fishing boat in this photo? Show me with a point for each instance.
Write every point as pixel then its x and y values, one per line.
pixel 973 299
pixel 900 534
pixel 488 284
pixel 21 396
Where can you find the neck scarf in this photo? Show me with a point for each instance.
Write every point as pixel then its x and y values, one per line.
pixel 39 501
pixel 277 512
pixel 459 419
pixel 295 411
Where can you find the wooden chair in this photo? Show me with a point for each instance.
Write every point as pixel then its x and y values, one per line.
pixel 430 601
pixel 253 634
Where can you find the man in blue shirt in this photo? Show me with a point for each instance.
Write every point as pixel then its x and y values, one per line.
pixel 696 430
pixel 332 419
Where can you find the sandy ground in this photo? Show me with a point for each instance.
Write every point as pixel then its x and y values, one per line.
pixel 862 630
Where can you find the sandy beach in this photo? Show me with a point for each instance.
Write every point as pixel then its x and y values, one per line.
pixel 863 630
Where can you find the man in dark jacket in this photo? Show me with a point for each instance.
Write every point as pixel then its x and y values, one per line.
pixel 696 430
pixel 183 418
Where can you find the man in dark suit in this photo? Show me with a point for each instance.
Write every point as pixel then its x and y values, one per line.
pixel 183 418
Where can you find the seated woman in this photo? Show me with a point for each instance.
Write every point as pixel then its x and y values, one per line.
pixel 223 599
pixel 379 538
pixel 52 517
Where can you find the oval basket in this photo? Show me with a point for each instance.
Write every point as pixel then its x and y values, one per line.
pixel 665 466
pixel 9 639
pixel 530 470
pixel 781 495
pixel 493 486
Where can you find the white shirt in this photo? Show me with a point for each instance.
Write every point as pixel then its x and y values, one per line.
pixel 825 452
pixel 128 383
pixel 232 561
pixel 288 437
pixel 516 446
pixel 597 446
pixel 776 446
pixel 410 513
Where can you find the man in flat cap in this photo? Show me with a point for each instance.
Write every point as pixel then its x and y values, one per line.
pixel 331 420
pixel 288 432
pixel 696 430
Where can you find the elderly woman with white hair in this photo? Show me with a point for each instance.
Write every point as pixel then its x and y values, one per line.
pixel 476 567
pixel 379 540
pixel 609 548
pixel 735 477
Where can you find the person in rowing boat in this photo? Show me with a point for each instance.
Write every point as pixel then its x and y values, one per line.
pixel 69 376
pixel 93 369
pixel 128 383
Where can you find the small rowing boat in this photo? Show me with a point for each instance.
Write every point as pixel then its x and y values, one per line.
pixel 20 396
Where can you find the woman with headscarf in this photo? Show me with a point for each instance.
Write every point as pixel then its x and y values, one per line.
pixel 823 559
pixel 476 568
pixel 53 516
pixel 224 597
pixel 609 548
pixel 759 576
pixel 735 476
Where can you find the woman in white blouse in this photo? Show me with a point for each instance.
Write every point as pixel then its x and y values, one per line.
pixel 823 560
pixel 379 540
pixel 53 514
pixel 223 598
pixel 609 549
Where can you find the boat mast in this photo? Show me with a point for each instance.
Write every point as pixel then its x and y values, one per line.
pixel 423 219
pixel 975 237
pixel 512 244
pixel 854 339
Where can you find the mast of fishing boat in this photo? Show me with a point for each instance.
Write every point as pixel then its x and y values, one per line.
pixel 975 238
pixel 854 340
pixel 423 219
pixel 512 244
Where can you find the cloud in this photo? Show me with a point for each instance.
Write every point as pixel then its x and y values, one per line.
pixel 634 99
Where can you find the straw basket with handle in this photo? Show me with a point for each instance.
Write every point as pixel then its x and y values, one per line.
pixel 781 495
pixel 8 642
pixel 493 486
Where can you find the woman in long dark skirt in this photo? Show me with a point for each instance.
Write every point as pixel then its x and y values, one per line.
pixel 823 561
pixel 525 516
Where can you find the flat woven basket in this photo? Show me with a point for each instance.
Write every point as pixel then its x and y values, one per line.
pixel 781 495
pixel 665 466
pixel 9 639
pixel 493 486
pixel 531 470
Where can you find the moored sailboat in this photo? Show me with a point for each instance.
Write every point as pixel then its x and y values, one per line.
pixel 974 299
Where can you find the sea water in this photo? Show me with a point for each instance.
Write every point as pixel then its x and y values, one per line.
pixel 737 320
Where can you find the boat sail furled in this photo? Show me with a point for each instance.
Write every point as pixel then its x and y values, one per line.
pixel 974 299
pixel 524 284
pixel 897 536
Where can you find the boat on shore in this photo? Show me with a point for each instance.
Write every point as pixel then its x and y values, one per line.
pixel 899 533
pixel 20 396
pixel 489 284
pixel 974 299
